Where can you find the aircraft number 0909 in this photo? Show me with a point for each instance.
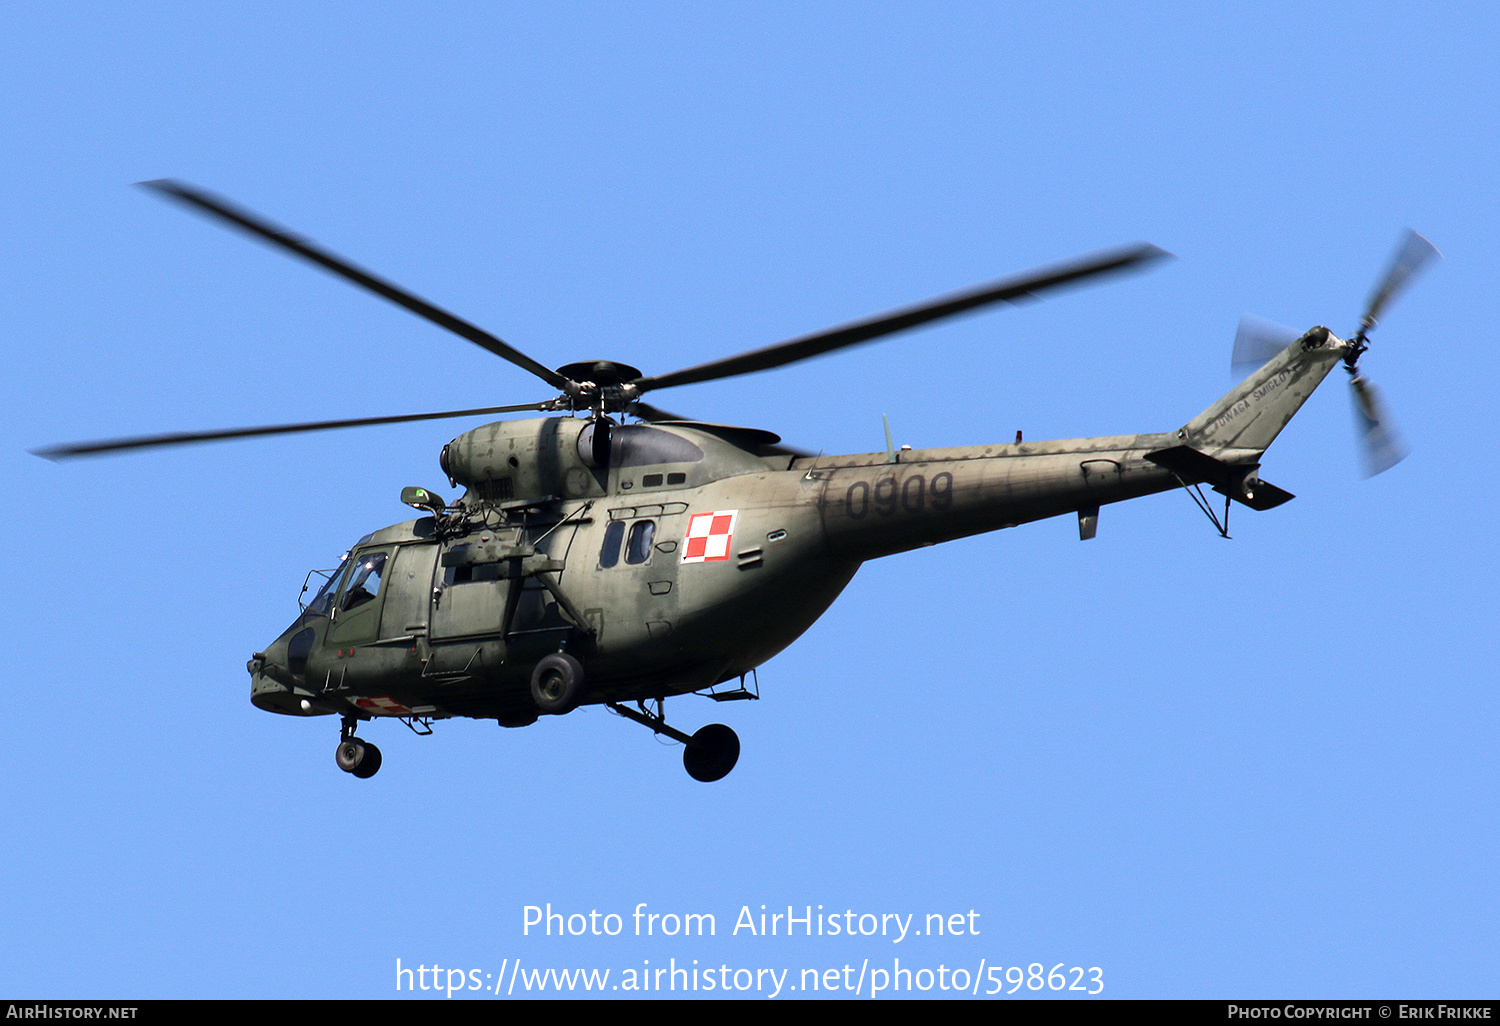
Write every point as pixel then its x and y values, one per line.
pixel 911 495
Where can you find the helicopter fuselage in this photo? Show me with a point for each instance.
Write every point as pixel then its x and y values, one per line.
pixel 697 553
pixel 593 562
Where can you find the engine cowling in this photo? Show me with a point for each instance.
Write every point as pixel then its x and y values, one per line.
pixel 522 459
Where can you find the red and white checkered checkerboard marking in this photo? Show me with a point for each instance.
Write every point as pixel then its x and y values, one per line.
pixel 382 706
pixel 709 535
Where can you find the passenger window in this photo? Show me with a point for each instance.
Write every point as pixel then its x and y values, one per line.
pixel 638 549
pixel 364 585
pixel 609 555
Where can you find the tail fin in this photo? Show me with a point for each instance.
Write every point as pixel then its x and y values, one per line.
pixel 1253 413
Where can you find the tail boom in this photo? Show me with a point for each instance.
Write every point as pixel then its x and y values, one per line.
pixel 873 506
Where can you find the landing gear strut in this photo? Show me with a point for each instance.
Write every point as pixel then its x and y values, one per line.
pixel 353 755
pixel 707 755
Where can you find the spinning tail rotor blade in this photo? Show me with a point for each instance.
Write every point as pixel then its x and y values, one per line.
pixel 1256 341
pixel 1414 254
pixel 1383 448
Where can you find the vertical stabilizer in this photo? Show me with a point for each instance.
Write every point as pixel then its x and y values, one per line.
pixel 1253 413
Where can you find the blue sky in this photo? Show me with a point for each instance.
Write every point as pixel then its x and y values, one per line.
pixel 1263 767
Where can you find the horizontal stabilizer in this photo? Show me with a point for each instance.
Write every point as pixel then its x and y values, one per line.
pixel 1238 481
pixel 1265 496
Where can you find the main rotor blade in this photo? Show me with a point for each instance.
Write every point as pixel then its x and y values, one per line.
pixel 1414 253
pixel 65 452
pixel 654 414
pixel 1008 289
pixel 238 217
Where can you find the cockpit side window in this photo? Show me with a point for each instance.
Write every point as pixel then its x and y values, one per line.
pixel 364 582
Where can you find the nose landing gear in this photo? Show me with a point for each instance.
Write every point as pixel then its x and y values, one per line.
pixel 354 755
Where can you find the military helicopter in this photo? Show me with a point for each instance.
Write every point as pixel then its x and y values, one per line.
pixel 591 560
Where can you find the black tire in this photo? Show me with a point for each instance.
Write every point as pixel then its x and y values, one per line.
pixel 370 764
pixel 711 753
pixel 557 683
pixel 350 754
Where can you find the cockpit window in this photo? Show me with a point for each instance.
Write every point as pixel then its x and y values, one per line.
pixel 323 601
pixel 364 584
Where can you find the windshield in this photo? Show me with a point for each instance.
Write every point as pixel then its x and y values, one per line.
pixel 323 601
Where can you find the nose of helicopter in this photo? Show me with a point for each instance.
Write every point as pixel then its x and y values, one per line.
pixel 274 676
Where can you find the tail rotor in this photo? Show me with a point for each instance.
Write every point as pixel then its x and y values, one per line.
pixel 1258 340
pixel 1414 254
pixel 1383 448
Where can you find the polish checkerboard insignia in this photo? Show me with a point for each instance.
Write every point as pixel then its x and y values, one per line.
pixel 709 536
pixel 382 706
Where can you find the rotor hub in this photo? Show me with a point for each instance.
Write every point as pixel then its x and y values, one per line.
pixel 600 385
pixel 604 373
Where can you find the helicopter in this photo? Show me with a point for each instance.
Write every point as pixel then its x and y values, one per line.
pixel 594 561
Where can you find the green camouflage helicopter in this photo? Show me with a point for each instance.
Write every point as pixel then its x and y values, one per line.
pixel 594 561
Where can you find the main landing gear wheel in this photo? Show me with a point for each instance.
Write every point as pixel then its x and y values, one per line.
pixel 360 758
pixel 711 753
pixel 557 683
